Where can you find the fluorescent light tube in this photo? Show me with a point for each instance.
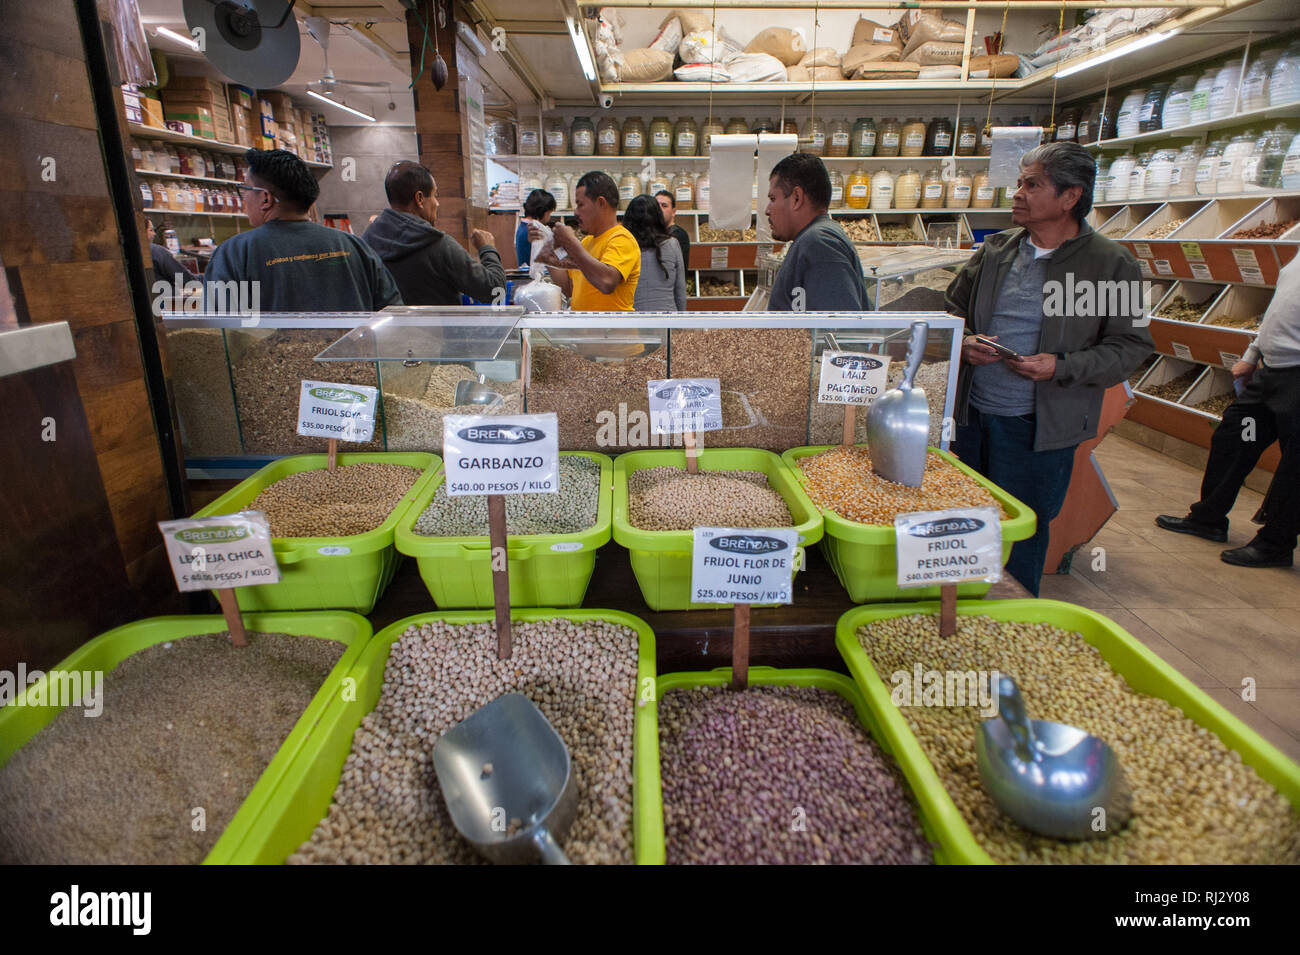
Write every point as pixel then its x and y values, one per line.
pixel 179 38
pixel 338 105
pixel 580 44
pixel 1149 40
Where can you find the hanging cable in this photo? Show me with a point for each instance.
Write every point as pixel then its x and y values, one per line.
pixel 1002 38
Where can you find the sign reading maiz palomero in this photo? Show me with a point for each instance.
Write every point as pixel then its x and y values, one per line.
pixel 216 553
pixel 851 378
pixel 948 547
pixel 501 454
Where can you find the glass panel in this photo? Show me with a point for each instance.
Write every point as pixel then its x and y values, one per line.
pixel 428 333
pixel 910 280
pixel 205 404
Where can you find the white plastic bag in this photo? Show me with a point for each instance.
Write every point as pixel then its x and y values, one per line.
pixel 755 68
pixel 1009 144
pixel 536 269
pixel 539 296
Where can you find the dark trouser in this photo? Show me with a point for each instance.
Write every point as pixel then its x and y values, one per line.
pixel 1001 448
pixel 1267 410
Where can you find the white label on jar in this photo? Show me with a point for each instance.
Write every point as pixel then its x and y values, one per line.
pixel 868 138
pixel 839 139
pixel 914 140
pixel 1250 169
pixel 1205 170
pixel 146 194
pixel 934 190
pixel 632 140
pixel 582 138
pixel 1065 132
pixel 684 194
pixel 1082 131
pixel 962 192
pixel 561 196
pixel 1291 164
pixel 607 137
pixel 837 195
pixel 1144 114
pixel 685 140
pixel 1175 175
pixel 662 138
pixel 625 193
pixel 1200 99
pixel 942 140
pixel 554 138
pixel 966 141
pixel 858 190
pixel 889 140
pixel 883 194
pixel 985 192
pixel 702 193
pixel 1225 168
pixel 818 140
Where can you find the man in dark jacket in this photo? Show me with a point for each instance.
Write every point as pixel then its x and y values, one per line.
pixel 1068 303
pixel 430 267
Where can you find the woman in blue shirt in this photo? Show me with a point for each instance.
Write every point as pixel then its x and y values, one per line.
pixel 538 206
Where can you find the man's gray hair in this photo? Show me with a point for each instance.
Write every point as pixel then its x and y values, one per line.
pixel 1066 165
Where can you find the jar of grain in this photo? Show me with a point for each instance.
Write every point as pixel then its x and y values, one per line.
pixel 607 136
pixel 914 137
pixel 983 194
pixel 882 195
pixel 684 191
pixel 858 188
pixel 932 189
pixel 907 189
pixel 839 132
pixel 959 190
pixel 633 137
pixel 685 136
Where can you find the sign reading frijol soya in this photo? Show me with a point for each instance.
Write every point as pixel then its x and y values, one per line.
pixel 685 404
pixel 852 378
pixel 501 454
pixel 948 547
pixel 743 565
pixel 329 410
pixel 214 553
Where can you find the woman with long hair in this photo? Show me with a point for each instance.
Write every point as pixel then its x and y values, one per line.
pixel 662 286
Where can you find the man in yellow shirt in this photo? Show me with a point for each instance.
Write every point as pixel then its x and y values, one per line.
pixel 599 273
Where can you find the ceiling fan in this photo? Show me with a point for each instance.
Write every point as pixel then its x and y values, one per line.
pixel 319 28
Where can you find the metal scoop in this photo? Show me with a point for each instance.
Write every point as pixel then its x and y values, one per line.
pixel 898 422
pixel 508 782
pixel 471 392
pixel 1050 778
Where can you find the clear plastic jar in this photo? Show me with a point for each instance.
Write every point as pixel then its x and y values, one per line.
pixel 882 189
pixel 1177 108
pixel 837 190
pixel 660 182
pixel 1137 177
pixel 607 136
pixel 907 189
pixel 858 188
pixel 789 128
pixel 1120 170
pixel 685 137
pixel 959 190
pixel 684 191
pixel 932 189
pixel 661 137
pixel 1068 127
pixel 702 192
pixel 712 127
pixel 985 147
pixel 1250 167
pixel 983 193
pixel 1130 113
pixel 1290 174
pixel 838 133
pixel 146 193
pixel 863 137
pixel 1223 96
pixel 1228 177
pixel 1284 86
pixel 629 186
pixel 582 137
pixel 968 137
pixel 633 137
pixel 1160 173
pixel 812 137
pixel 1198 107
pixel 890 140
pixel 913 143
pixel 1152 107
pixel 1255 84
pixel 1086 132
pixel 1182 178
pixel 738 127
pixel 1207 167
pixel 1107 110
pixel 1268 173
pixel 1101 184
pixel 558 186
pixel 938 137
pixel 500 136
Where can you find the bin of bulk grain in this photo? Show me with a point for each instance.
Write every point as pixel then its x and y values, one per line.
pixel 417 398
pixel 764 377
pixel 363 788
pixel 268 367
pixel 595 382
pixel 332 531
pixel 178 706
pixel 858 509
pixel 553 539
pixel 732 765
pixel 657 503
pixel 205 403
pixel 1206 788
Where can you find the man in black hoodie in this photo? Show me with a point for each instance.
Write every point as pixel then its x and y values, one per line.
pixel 430 267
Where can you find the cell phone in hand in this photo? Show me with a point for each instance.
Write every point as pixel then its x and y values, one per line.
pixel 1002 350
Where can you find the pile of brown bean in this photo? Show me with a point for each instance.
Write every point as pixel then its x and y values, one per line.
pixel 1182 310
pixel 670 499
pixel 586 394
pixel 1173 389
pixel 388 807
pixel 1216 404
pixel 1230 321
pixel 1194 800
pixel 1168 229
pixel 186 725
pixel 351 499
pixel 1265 230
pixel 841 480
pixel 782 775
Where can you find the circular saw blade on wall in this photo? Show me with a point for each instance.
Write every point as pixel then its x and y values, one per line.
pixel 253 42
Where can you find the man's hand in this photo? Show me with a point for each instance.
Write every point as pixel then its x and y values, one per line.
pixel 535 234
pixel 481 238
pixel 973 353
pixel 1242 370
pixel 566 238
pixel 1039 367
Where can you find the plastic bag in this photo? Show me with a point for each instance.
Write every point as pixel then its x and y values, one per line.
pixel 706 46
pixel 755 68
pixel 670 37
pixel 540 247
pixel 1010 143
pixel 703 72
pixel 539 296
pixel 132 45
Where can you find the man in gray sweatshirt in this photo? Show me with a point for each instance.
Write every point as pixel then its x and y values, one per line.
pixel 430 267
pixel 1267 409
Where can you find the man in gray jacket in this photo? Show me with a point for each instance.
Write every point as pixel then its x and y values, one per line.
pixel 1067 302
pixel 429 266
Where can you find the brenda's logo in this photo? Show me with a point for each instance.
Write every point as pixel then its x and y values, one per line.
pixel 747 544
pixel 501 434
pixel 946 527
pixel 217 534
pixel 337 394
pixel 685 392
pixel 856 363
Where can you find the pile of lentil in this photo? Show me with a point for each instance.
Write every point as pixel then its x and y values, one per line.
pixel 572 509
pixel 1193 800
pixel 671 499
pixel 840 479
pixel 186 725
pixel 779 775
pixel 351 499
pixel 388 807
pixel 1168 229
pixel 1181 310
pixel 1173 389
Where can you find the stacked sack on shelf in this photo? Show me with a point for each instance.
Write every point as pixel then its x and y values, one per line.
pixel 1102 28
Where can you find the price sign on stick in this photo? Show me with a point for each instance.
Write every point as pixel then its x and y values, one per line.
pixel 338 412
pixel 947 548
pixel 221 553
pixel 852 379
pixel 743 566
pixel 498 455
pixel 686 406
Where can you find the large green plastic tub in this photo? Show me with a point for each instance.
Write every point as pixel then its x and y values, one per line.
pixel 944 847
pixel 546 570
pixel 353 571
pixel 661 560
pixel 865 558
pixel 1140 668
pixel 18 724
pixel 287 818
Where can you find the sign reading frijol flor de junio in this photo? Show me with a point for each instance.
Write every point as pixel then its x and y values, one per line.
pixel 743 565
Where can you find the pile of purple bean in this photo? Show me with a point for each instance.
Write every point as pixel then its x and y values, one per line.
pixel 779 775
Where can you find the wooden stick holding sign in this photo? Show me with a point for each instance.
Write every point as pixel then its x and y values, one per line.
pixel 850 425
pixel 740 647
pixel 497 455
pixel 333 453
pixel 947 610
pixel 689 442
pixel 337 412
pixel 230 610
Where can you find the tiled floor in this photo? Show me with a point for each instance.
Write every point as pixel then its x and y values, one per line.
pixel 1215 623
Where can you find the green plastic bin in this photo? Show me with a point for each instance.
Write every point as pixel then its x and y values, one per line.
pixel 18 724
pixel 327 573
pixel 1140 668
pixel 944 847
pixel 546 570
pixel 287 818
pixel 661 560
pixel 865 558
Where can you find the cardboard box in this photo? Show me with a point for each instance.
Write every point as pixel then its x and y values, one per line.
pixel 201 84
pixel 240 119
pixel 199 119
pixel 153 112
pixel 280 103
pixel 241 96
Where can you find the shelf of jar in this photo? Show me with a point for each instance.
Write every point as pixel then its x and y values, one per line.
pixel 595 160
pixel 183 212
pixel 1259 194
pixel 177 175
pixel 1193 130
pixel 168 136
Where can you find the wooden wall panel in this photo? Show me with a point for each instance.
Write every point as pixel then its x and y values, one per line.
pixel 38 228
pixel 53 89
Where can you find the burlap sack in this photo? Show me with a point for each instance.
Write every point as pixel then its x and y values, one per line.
pixel 822 56
pixel 807 74
pixel 859 56
pixel 645 66
pixel 786 45
pixel 693 20
pixel 926 26
pixel 869 31
pixel 994 67
pixel 937 53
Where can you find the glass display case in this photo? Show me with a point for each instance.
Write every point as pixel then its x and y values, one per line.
pixel 910 278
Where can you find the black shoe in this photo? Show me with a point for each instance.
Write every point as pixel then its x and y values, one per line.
pixel 1185 525
pixel 1259 517
pixel 1253 556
